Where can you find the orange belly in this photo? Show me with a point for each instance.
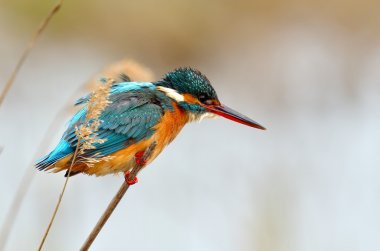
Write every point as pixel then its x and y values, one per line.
pixel 121 161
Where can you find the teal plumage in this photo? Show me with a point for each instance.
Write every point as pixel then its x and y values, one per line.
pixel 134 110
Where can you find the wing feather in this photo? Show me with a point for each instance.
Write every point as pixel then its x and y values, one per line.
pixel 134 110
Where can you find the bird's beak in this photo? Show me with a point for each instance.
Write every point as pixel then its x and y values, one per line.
pixel 233 115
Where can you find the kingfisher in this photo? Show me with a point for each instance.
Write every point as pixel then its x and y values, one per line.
pixel 140 114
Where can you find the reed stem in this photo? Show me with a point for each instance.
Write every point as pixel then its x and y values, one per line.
pixel 115 201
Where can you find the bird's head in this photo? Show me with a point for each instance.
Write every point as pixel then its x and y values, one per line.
pixel 194 93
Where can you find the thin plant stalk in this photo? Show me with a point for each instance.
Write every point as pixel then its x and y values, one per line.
pixel 28 49
pixel 104 218
pixel 115 201
pixel 22 189
pixel 86 137
pixel 60 197
pixel 29 174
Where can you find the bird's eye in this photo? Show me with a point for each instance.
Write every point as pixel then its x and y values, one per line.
pixel 202 98
pixel 205 100
pixel 208 102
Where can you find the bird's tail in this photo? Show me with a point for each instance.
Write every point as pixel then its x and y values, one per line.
pixel 62 150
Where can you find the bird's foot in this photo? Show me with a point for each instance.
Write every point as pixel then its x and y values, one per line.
pixel 139 158
pixel 128 180
pixel 140 162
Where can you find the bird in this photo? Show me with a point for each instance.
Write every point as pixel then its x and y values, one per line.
pixel 140 114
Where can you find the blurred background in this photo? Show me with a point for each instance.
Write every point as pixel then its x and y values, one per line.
pixel 307 70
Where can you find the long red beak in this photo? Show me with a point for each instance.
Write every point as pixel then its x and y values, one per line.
pixel 233 115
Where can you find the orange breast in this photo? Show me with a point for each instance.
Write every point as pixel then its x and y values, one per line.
pixel 169 127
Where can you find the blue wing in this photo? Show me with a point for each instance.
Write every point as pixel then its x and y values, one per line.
pixel 134 110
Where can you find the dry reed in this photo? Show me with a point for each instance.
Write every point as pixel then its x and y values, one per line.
pixel 87 137
pixel 28 49
pixel 116 199
pixel 31 44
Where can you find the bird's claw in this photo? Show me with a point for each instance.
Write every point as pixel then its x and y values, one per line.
pixel 130 181
pixel 139 158
pixel 140 161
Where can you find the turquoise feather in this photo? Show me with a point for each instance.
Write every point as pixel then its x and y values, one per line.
pixel 134 110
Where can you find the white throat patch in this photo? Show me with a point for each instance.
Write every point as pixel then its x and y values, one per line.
pixel 199 117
